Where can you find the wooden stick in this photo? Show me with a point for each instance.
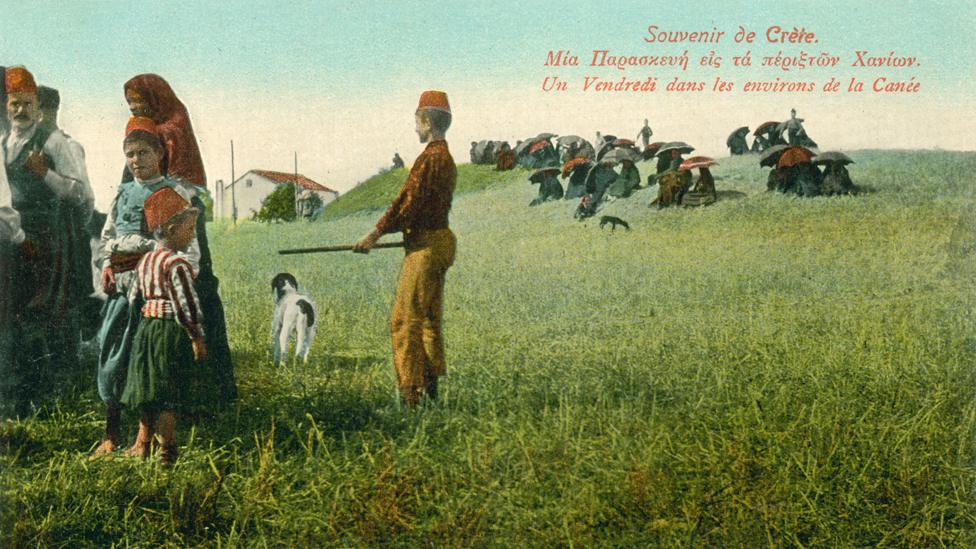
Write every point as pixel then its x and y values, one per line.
pixel 338 248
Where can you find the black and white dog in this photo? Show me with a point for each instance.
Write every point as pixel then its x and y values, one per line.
pixel 294 312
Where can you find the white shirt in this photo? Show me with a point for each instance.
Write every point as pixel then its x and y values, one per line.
pixel 69 177
pixel 9 217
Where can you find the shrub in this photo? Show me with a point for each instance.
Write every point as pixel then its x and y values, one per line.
pixel 278 206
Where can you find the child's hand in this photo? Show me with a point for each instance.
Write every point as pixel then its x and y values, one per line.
pixel 199 350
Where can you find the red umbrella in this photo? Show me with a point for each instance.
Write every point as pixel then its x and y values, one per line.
pixel 697 162
pixel 793 156
pixel 572 164
pixel 764 127
pixel 538 146
pixel 623 143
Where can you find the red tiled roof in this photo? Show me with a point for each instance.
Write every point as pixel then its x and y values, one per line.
pixel 282 177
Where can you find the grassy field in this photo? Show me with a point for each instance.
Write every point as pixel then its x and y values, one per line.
pixel 766 371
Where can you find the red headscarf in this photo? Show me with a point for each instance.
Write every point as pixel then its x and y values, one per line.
pixel 173 126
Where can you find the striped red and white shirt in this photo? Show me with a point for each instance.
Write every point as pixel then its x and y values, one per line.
pixel 166 283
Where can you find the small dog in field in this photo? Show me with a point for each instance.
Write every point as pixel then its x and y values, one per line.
pixel 613 221
pixel 294 312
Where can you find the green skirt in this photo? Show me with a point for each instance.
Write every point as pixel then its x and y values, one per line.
pixel 162 373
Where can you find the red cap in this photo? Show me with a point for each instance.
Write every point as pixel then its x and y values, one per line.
pixel 162 205
pixel 20 80
pixel 434 99
pixel 141 123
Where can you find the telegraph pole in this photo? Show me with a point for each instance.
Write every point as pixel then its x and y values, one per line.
pixel 233 187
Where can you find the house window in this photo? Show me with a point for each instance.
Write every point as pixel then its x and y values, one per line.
pixel 248 183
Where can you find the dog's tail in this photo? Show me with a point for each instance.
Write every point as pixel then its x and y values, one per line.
pixel 306 308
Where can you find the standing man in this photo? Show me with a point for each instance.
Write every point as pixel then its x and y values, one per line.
pixel 50 271
pixel 420 212
pixel 645 134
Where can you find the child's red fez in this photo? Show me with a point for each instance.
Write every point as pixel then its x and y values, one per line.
pixel 162 205
pixel 140 123
pixel 434 99
pixel 19 80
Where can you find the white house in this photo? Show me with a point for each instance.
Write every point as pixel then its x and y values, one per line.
pixel 249 190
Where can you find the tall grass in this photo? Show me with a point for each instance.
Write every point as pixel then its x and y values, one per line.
pixel 766 371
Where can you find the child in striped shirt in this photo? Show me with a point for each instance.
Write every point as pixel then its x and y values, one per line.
pixel 162 376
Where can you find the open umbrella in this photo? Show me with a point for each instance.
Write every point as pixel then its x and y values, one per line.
pixel 623 143
pixel 546 136
pixel 679 146
pixel 765 127
pixel 539 145
pixel 652 148
pixel 574 163
pixel 697 162
pixel 741 132
pixel 521 148
pixel 769 156
pixel 540 174
pixel 620 154
pixel 565 140
pixel 793 156
pixel 832 156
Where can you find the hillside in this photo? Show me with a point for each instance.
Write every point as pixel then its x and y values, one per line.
pixel 767 370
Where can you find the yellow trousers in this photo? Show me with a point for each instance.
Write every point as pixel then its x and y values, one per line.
pixel 415 324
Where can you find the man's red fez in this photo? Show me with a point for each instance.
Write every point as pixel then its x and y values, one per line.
pixel 20 80
pixel 141 123
pixel 162 205
pixel 434 99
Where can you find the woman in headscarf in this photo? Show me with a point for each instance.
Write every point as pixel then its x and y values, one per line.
pixel 151 96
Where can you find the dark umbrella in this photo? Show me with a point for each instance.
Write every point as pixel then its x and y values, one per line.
pixel 620 154
pixel 765 127
pixel 540 174
pixel 832 156
pixel 679 146
pixel 771 155
pixel 567 139
pixel 741 132
pixel 546 136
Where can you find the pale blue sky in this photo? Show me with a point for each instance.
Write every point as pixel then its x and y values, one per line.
pixel 354 47
pixel 336 81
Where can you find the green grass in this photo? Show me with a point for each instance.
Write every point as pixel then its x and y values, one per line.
pixel 766 371
pixel 377 192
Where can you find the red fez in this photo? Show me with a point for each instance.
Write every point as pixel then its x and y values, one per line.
pixel 19 80
pixel 140 123
pixel 434 99
pixel 162 205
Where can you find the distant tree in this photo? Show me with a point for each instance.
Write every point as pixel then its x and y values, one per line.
pixel 278 206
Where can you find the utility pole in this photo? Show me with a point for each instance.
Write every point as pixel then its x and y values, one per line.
pixel 233 187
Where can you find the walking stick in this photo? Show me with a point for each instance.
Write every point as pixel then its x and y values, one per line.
pixel 338 248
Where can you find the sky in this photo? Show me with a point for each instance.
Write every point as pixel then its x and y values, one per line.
pixel 337 82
